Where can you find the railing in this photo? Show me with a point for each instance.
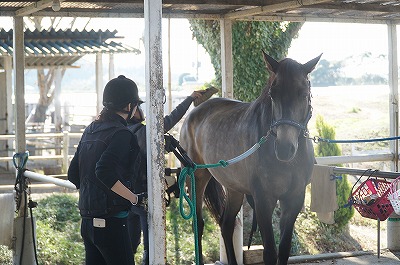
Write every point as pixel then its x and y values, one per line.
pixel 65 156
pixel 66 136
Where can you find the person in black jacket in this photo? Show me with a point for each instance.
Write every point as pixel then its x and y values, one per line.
pixel 103 171
pixel 138 214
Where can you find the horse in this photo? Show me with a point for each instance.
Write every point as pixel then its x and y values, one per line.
pixel 279 170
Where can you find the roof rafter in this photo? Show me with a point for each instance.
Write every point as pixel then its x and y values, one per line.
pixel 34 7
pixel 272 8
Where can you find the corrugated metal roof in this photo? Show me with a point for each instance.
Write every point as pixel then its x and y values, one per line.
pixel 61 48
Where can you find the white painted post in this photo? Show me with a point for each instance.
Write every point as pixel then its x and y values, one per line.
pixel 65 151
pixel 20 231
pixel 19 84
pixel 3 114
pixel 10 113
pixel 227 92
pixel 111 71
pixel 154 130
pixel 393 228
pixel 57 101
pixel 226 58
pixel 99 82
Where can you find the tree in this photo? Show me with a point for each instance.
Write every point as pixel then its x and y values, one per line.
pixel 249 38
pixel 45 77
pixel 326 73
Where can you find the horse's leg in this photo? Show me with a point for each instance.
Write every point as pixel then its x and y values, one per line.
pixel 290 207
pixel 264 207
pixel 234 201
pixel 202 176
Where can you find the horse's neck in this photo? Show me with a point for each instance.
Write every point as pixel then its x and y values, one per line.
pixel 260 111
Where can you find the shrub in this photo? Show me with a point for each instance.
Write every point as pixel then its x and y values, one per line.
pixel 343 187
pixel 58 230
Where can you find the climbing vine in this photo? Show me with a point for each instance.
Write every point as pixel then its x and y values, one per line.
pixel 249 38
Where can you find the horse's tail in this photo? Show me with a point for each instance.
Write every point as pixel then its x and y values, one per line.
pixel 214 198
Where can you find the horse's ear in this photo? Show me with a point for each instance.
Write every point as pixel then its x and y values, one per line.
pixel 310 65
pixel 272 64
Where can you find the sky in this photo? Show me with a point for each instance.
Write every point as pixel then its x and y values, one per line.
pixel 336 41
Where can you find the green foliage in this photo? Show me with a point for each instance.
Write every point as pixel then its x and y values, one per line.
pixel 5 256
pixel 249 39
pixel 180 237
pixel 59 247
pixel 343 188
pixel 58 230
pixel 59 210
pixel 59 240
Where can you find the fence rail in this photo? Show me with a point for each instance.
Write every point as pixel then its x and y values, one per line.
pixel 66 136
pixel 64 157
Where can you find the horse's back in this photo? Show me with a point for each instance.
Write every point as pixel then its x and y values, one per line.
pixel 206 124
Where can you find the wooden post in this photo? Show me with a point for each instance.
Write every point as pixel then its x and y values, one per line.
pixel 154 130
pixel 227 92
pixel 23 250
pixel 393 229
pixel 226 58
pixel 99 82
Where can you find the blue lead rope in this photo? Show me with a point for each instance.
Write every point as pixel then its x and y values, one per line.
pixel 317 139
pixel 189 171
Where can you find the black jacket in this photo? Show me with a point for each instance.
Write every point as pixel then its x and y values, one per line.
pixel 105 154
pixel 140 131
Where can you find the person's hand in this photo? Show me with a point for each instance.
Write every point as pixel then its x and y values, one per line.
pixel 196 94
pixel 142 200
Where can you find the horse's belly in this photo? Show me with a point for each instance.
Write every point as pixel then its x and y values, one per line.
pixel 232 179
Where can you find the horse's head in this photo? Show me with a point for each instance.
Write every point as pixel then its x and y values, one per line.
pixel 289 90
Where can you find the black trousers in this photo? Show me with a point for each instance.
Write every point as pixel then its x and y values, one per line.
pixel 137 223
pixel 109 245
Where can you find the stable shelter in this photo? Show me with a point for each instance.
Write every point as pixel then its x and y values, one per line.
pixel 355 11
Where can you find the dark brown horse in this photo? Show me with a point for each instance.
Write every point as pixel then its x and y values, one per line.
pixel 220 129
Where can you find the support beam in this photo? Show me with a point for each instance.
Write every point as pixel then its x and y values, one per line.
pixel 393 228
pixel 227 92
pixel 226 58
pixel 394 92
pixel 19 84
pixel 99 82
pixel 37 6
pixel 10 113
pixel 23 251
pixel 154 130
pixel 57 100
pixel 272 8
pixel 111 70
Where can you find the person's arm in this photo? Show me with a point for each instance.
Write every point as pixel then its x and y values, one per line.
pixel 73 170
pixel 176 115
pixel 124 192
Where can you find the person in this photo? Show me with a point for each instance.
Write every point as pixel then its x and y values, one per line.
pixel 138 214
pixel 103 171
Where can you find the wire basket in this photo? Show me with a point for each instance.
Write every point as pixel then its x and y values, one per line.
pixel 394 195
pixel 370 199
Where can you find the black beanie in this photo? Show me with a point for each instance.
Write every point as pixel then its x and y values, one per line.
pixel 119 92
